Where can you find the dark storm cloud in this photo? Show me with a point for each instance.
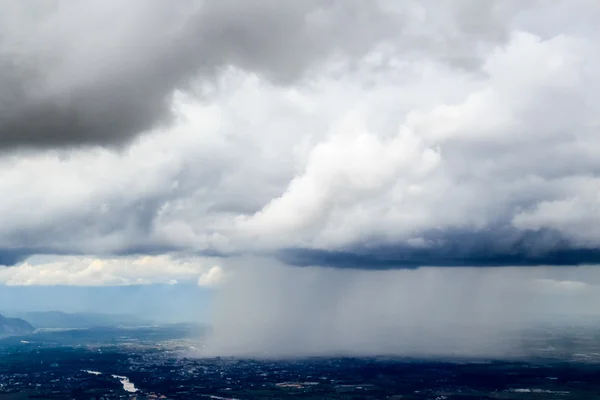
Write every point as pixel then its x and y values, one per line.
pixel 70 84
pixel 11 257
pixel 94 72
pixel 490 248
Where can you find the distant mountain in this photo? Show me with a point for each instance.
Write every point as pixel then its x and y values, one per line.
pixel 14 326
pixel 58 319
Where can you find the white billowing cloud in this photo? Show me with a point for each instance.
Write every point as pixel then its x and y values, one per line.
pixel 349 168
pixel 90 271
pixel 468 164
pixel 212 277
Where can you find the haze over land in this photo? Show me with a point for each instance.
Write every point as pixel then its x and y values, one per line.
pixel 300 163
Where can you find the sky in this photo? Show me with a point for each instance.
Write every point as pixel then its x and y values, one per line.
pixel 162 303
pixel 415 152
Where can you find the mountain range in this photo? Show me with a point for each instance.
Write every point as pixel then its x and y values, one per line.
pixel 14 326
pixel 81 320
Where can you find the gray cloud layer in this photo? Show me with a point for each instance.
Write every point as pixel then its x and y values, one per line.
pixel 488 248
pixel 101 72
pixel 341 133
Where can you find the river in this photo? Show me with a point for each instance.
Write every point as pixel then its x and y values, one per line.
pixel 127 384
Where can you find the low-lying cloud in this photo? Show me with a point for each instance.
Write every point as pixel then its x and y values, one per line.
pixel 91 271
